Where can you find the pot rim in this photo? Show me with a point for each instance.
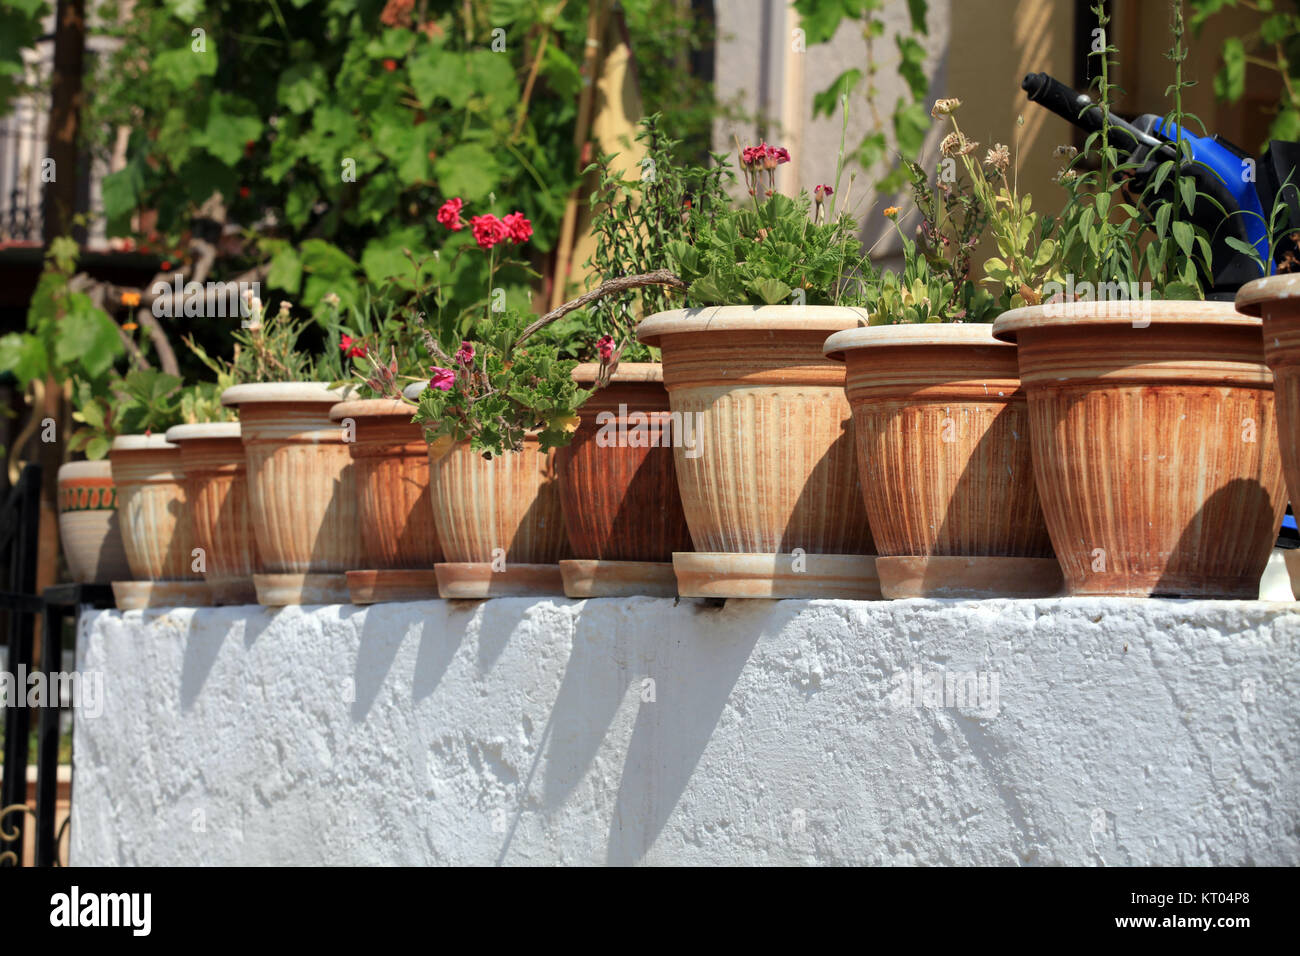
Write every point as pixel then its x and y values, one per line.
pixel 750 318
pixel 585 373
pixel 98 468
pixel 1167 312
pixel 142 443
pixel 1252 296
pixel 371 408
pixel 285 392
pixel 196 431
pixel 914 334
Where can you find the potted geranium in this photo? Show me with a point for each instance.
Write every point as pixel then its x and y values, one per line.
pixel 1154 443
pixel 302 495
pixel 771 493
pixel 940 416
pixel 499 401
pixel 127 421
pixel 390 461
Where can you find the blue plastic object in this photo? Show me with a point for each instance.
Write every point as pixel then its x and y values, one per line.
pixel 1229 168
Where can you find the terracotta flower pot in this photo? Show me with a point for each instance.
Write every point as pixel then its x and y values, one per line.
pixel 942 429
pixel 1155 451
pixel 1276 300
pixel 499 522
pixel 216 489
pixel 156 530
pixel 399 542
pixel 618 488
pixel 770 481
pixel 302 493
pixel 89 527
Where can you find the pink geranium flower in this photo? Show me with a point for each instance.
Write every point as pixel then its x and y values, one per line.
pixel 488 231
pixel 443 378
pixel 449 214
pixel 465 354
pixel 605 346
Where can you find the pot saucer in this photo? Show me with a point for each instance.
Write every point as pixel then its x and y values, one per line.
pixel 725 575
pixel 968 578
pixel 280 590
pixel 589 578
pixel 475 580
pixel 392 584
pixel 136 595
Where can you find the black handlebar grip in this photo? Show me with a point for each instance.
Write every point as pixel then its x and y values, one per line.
pixel 1066 103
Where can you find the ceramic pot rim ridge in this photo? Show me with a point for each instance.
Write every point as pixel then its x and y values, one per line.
pixel 1252 296
pixel 1161 312
pixel 751 318
pixel 940 334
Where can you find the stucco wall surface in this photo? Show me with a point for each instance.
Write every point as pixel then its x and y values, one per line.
pixel 635 731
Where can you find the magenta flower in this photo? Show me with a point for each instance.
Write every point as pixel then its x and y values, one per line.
pixel 443 378
pixel 488 231
pixel 518 228
pixel 449 214
pixel 605 346
pixel 465 354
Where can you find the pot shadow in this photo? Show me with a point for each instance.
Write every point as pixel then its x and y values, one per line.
pixel 848 533
pixel 413 541
pixel 202 648
pixel 382 634
pixel 596 678
pixel 334 527
pixel 1233 506
pixel 988 459
pixel 694 679
pixel 438 647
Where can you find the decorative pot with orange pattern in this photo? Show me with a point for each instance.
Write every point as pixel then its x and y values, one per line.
pixel 1155 447
pixel 942 430
pixel 216 488
pixel 302 491
pixel 89 526
pixel 618 487
pixel 399 541
pixel 769 485
pixel 156 529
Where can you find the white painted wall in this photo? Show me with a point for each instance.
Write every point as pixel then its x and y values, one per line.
pixel 1126 732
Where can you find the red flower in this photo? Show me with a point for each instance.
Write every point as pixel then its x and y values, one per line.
pixel 519 229
pixel 244 192
pixel 165 266
pixel 443 378
pixel 351 347
pixel 390 65
pixel 605 346
pixel 465 354
pixel 249 147
pixel 449 214
pixel 764 156
pixel 488 231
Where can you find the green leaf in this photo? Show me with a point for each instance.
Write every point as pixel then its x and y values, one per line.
pixel 468 171
pixel 286 270
pixel 1230 82
pixel 770 291
pixel 911 123
pixel 87 337
pixel 438 73
pixel 827 101
pixel 1184 236
pixel 232 122
pixel 182 68
pixel 301 86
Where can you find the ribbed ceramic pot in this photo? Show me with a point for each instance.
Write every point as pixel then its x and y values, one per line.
pixel 618 487
pixel 399 541
pixel 942 428
pixel 773 470
pixel 1276 301
pixel 156 529
pixel 216 488
pixel 89 526
pixel 1155 449
pixel 302 493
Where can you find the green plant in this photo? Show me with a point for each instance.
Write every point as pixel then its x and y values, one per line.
pixel 1274 46
pixel 820 19
pixel 771 250
pixel 634 223
pixel 144 401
